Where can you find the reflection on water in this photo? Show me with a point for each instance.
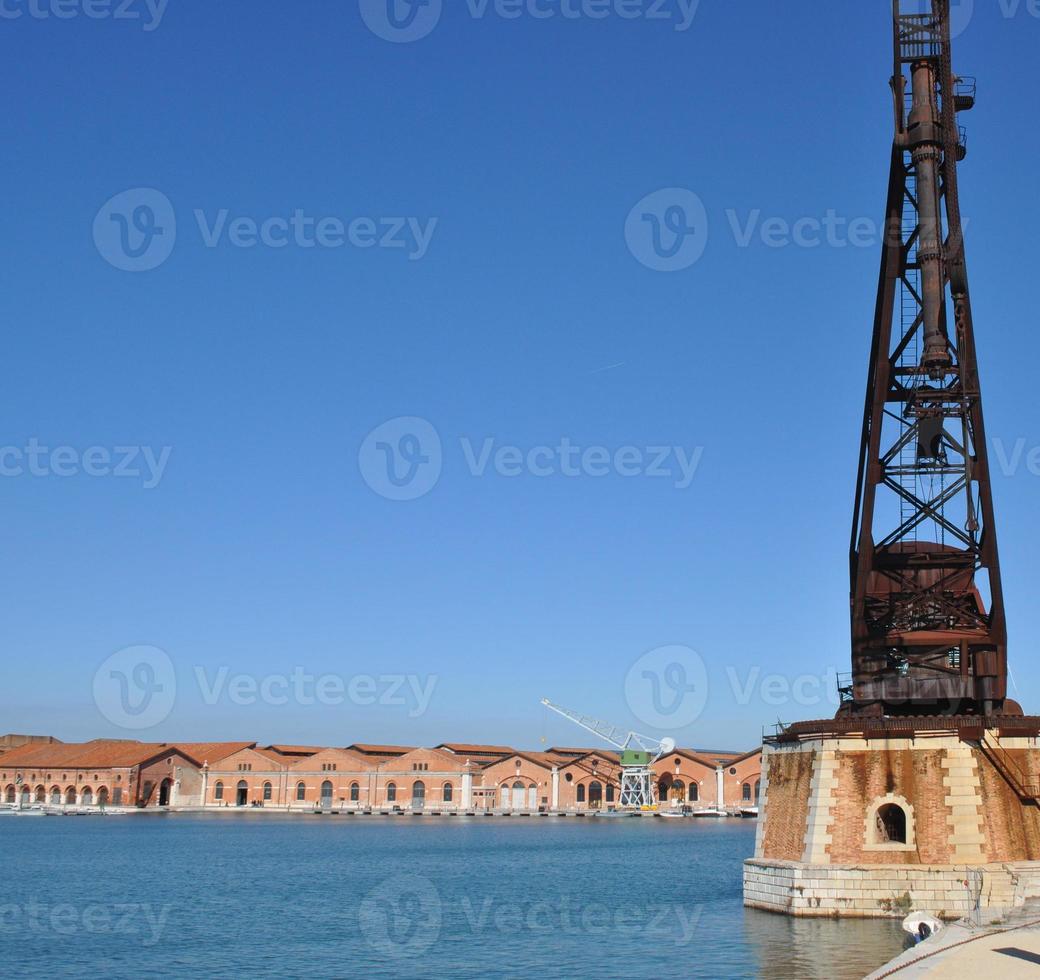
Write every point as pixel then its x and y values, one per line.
pixel 407 898
pixel 819 949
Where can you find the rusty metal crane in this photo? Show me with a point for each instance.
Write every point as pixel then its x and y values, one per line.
pixel 928 628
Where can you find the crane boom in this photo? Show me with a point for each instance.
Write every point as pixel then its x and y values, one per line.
pixel 638 753
pixel 602 729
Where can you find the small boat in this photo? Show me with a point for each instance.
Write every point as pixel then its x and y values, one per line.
pixel 749 811
pixel 671 814
pixel 922 925
pixel 710 813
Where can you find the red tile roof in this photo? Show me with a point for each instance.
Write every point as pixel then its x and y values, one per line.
pixel 99 754
pixel 466 748
pixel 295 749
pixel 210 752
pixel 391 750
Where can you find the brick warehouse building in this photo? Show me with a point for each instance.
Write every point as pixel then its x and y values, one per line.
pixel 449 778
pixel 107 772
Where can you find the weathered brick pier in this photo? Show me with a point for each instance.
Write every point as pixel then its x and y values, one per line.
pixel 884 817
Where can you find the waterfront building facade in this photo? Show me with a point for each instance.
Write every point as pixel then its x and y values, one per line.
pixel 449 778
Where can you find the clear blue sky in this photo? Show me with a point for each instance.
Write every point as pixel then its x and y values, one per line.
pixel 527 320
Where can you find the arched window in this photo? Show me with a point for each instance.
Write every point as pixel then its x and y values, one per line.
pixel 102 796
pixel 218 791
pixel 446 792
pixel 758 791
pixel 301 792
pixel 55 796
pixel 268 792
pixel 595 793
pixel 41 794
pixel 581 792
pixel 694 793
pixel 678 791
pixel 391 792
pixel 10 795
pixel 891 824
pixel 610 792
pixel 745 793
pixel 355 792
pixel 70 796
pixel 88 797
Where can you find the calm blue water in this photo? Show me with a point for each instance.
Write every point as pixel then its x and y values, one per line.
pixel 263 895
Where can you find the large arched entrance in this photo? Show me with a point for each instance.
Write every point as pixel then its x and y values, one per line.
pixel 664 786
pixel 70 796
pixel 242 793
pixel 41 794
pixel 55 796
pixel 418 794
pixel 102 797
pixel 10 795
pixel 518 795
pixel 87 799
pixel 326 795
pixel 595 795
pixel 165 792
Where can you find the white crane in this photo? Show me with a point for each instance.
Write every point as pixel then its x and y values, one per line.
pixel 638 754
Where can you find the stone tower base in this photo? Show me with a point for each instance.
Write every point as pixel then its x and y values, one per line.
pixel 880 817
pixel 847 890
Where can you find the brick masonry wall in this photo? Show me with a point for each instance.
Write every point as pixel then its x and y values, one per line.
pixel 961 810
pixel 1008 826
pixel 866 776
pixel 965 825
pixel 787 808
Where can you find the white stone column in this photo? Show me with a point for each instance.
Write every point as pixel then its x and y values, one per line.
pixel 720 788
pixel 821 801
pixel 964 798
pixel 763 810
pixel 467 791
pixel 555 788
